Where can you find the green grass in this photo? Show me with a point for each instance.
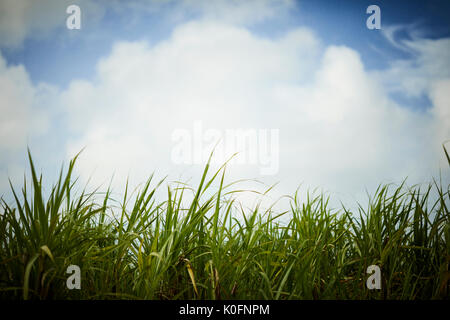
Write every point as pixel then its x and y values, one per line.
pixel 212 248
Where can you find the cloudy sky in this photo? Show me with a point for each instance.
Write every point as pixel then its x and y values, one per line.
pixel 352 107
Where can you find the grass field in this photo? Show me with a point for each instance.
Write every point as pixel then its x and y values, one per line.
pixel 212 248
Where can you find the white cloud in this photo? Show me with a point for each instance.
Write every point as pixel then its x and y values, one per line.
pixel 415 77
pixel 17 96
pixel 23 117
pixel 339 129
pixel 440 96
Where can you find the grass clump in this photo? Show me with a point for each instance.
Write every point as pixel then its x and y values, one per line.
pixel 213 248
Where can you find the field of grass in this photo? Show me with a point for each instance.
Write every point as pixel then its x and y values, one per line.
pixel 212 248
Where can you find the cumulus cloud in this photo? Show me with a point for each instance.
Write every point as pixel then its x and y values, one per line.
pixel 339 128
pixel 19 102
pixel 22 116
pixel 440 96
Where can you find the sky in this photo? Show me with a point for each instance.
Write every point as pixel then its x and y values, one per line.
pixel 320 100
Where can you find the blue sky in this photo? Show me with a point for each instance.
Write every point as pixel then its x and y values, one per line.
pixel 336 22
pixel 354 107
